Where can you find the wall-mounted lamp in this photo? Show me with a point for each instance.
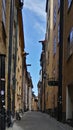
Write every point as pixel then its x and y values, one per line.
pixel 42 41
pixel 28 64
pixel 25 53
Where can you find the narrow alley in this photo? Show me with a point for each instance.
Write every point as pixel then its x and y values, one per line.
pixel 38 121
pixel 36 64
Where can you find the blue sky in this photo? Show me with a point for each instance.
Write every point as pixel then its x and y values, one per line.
pixel 34 20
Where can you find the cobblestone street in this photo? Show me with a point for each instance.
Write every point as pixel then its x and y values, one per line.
pixel 38 121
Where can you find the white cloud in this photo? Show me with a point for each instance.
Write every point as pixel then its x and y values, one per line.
pixel 39 27
pixel 36 6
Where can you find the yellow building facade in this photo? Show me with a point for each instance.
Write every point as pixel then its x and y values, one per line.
pixel 49 55
pixel 52 56
pixel 11 54
pixel 19 67
pixel 4 40
pixel 34 103
pixel 67 90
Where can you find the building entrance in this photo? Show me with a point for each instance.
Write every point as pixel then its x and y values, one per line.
pixel 69 102
pixel 2 92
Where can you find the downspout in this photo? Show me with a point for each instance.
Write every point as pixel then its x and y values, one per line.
pixel 9 58
pixel 60 62
pixel 15 60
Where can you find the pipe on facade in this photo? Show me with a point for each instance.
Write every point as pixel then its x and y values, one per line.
pixel 15 57
pixel 60 62
pixel 9 60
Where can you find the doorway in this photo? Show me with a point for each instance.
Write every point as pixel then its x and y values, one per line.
pixel 69 101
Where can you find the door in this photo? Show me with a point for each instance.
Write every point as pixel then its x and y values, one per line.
pixel 2 92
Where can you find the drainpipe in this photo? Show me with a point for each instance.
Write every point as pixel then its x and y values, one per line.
pixel 60 62
pixel 15 60
pixel 9 59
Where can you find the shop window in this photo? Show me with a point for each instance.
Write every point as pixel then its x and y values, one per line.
pixel 2 81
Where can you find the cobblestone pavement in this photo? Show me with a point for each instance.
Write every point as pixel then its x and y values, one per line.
pixel 38 121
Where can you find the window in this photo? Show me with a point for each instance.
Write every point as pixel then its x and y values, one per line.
pixel 71 36
pixel 58 33
pixel 18 58
pixel 54 16
pixel 69 3
pixel 54 46
pixel 4 12
pixel 48 31
pixel 70 43
pixel 47 96
pixel 58 4
pixel 48 57
pixel 18 70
